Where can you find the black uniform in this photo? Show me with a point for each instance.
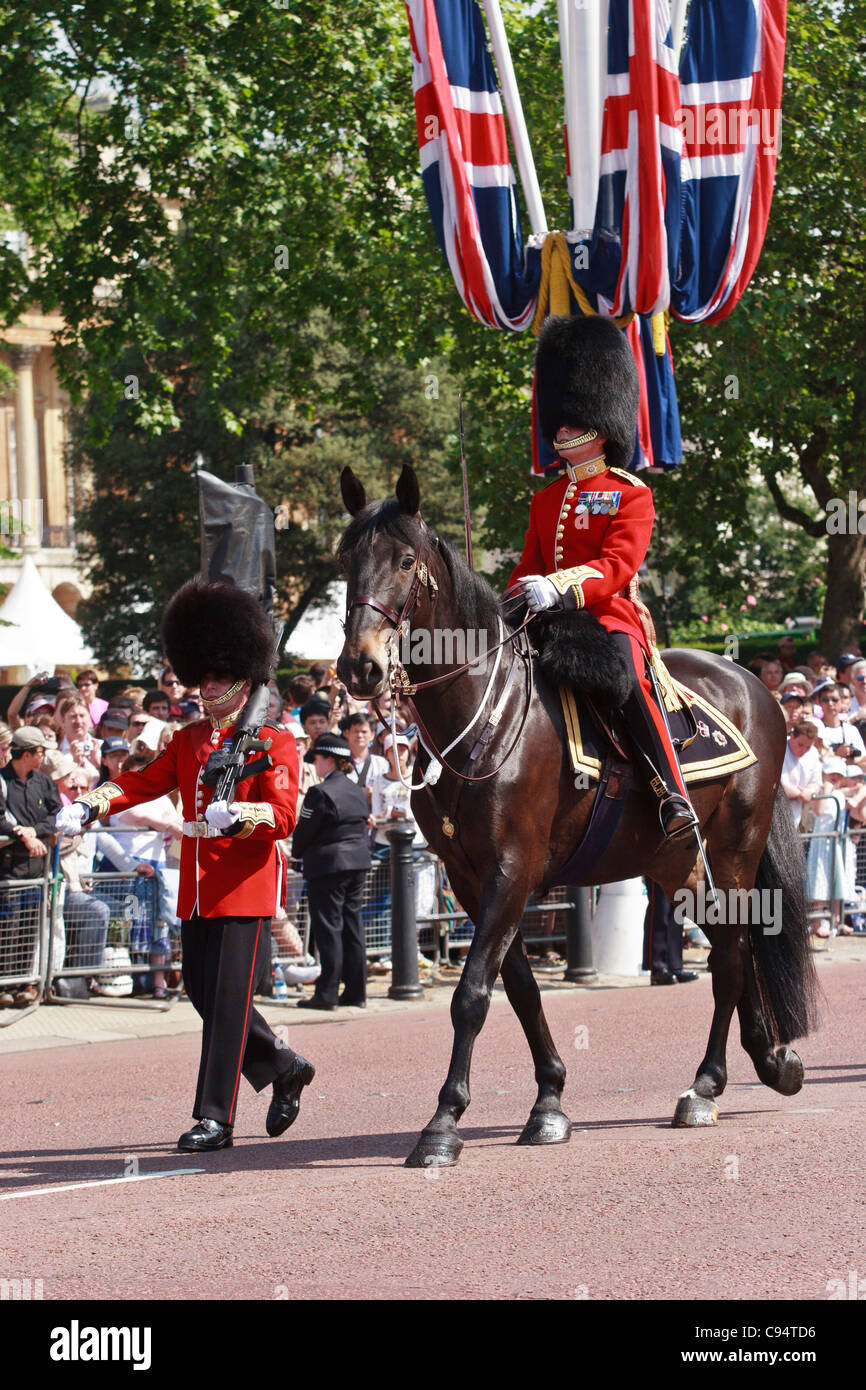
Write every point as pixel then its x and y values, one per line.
pixel 331 839
pixel 662 934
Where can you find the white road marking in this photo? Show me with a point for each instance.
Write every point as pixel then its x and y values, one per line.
pixel 97 1182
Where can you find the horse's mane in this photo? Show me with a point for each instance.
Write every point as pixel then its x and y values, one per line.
pixel 476 600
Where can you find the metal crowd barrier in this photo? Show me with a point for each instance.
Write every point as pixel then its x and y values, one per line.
pixel 24 934
pixel 835 871
pixel 105 936
pixel 87 947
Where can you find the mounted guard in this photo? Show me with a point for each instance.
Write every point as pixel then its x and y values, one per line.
pixel 590 530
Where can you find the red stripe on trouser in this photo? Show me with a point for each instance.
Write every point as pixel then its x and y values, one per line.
pixel 651 905
pixel 645 688
pixel 246 1022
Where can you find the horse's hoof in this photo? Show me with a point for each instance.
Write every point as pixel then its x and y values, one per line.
pixel 789 1075
pixel 693 1111
pixel 435 1151
pixel 550 1127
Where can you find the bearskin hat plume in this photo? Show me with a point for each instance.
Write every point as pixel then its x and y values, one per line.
pixel 585 377
pixel 220 628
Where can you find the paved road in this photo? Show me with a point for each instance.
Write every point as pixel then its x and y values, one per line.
pixel 768 1205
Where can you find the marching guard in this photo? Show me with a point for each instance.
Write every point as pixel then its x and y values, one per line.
pixel 218 637
pixel 590 530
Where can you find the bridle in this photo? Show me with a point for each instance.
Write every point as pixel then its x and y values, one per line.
pixel 400 684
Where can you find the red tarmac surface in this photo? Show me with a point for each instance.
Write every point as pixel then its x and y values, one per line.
pixel 771 1204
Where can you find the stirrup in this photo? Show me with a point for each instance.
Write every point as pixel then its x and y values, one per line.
pixel 673 806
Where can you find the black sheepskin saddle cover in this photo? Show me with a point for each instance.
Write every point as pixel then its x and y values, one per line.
pixel 576 651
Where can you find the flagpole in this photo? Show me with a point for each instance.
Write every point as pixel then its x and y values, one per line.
pixel 678 25
pixel 517 124
pixel 583 31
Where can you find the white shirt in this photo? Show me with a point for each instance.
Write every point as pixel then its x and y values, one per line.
pixel 798 773
pixel 846 733
pixel 389 794
pixel 144 843
pixel 379 767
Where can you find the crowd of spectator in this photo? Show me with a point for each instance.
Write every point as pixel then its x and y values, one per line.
pixel 62 738
pixel 824 776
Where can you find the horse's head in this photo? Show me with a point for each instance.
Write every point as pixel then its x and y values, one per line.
pixel 384 553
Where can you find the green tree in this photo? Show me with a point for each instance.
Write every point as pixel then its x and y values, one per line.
pixel 778 389
pixel 139 498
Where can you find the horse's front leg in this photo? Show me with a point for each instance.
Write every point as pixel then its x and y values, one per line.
pixel 547 1124
pixel 502 902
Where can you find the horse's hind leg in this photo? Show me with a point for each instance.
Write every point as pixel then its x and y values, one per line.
pixel 778 1067
pixel 546 1124
pixel 697 1106
pixel 502 902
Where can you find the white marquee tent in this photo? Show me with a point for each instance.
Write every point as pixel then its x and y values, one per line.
pixel 42 636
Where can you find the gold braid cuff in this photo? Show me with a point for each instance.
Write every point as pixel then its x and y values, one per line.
pixel 98 801
pixel 574 579
pixel 251 814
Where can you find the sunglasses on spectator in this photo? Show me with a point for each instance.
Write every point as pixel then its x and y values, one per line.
pixel 830 700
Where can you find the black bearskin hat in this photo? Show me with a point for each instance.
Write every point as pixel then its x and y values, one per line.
pixel 585 377
pixel 219 628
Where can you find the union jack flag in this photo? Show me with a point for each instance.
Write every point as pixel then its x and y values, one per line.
pixel 465 166
pixel 638 208
pixel 730 94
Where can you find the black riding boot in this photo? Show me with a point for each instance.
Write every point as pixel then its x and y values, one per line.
pixel 676 813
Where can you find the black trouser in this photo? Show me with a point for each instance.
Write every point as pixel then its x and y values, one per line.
pixel 662 933
pixel 222 960
pixel 335 913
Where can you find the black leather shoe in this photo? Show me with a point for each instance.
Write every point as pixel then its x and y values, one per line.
pixel 315 1003
pixel 663 977
pixel 205 1136
pixel 677 816
pixel 685 977
pixel 351 1003
pixel 283 1109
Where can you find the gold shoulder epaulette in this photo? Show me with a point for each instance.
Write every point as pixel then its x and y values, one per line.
pixel 629 477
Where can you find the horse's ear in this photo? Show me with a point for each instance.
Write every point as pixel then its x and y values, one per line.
pixel 353 492
pixel 408 492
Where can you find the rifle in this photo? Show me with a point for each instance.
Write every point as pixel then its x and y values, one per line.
pixel 227 766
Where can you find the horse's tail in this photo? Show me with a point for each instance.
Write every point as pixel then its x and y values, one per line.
pixel 784 969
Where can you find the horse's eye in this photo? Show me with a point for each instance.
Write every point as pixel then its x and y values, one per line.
pixel 408 562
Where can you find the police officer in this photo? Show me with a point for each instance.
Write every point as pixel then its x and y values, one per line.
pixel 590 529
pixel 218 638
pixel 332 840
pixel 663 940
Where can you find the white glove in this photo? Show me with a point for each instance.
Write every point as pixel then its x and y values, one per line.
pixel 220 816
pixel 540 592
pixel 70 819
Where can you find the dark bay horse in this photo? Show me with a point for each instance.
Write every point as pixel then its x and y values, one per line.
pixel 503 837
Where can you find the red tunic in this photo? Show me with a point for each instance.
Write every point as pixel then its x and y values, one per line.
pixel 234 875
pixel 590 539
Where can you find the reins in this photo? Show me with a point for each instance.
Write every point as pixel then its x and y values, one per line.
pixel 400 684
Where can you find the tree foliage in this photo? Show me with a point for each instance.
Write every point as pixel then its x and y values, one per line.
pixel 224 203
pixel 773 397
